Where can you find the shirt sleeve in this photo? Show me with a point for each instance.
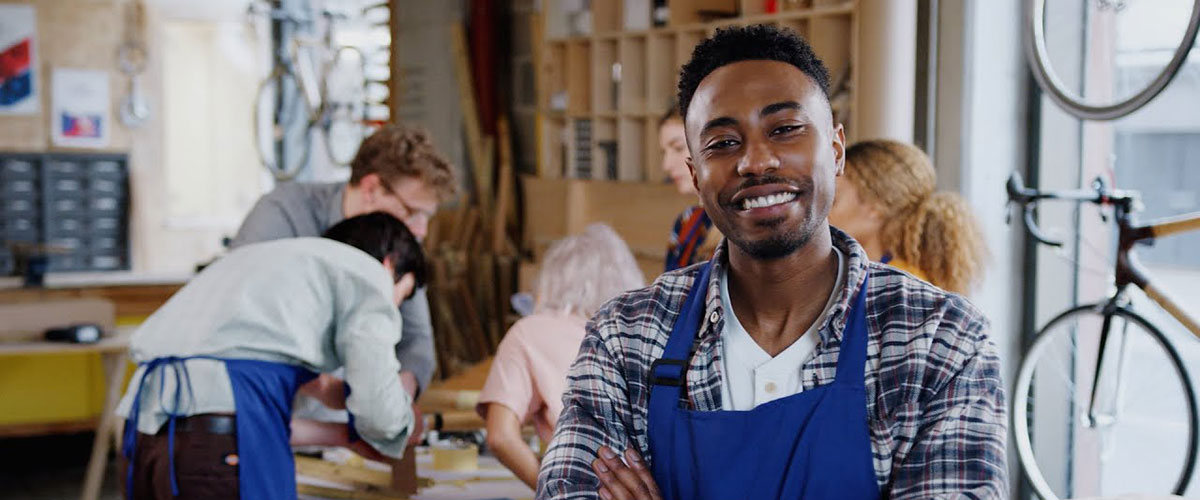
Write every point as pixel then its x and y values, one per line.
pixel 596 412
pixel 959 449
pixel 416 350
pixel 367 331
pixel 510 380
pixel 266 221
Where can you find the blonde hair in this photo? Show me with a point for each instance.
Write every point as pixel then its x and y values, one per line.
pixel 580 273
pixel 931 230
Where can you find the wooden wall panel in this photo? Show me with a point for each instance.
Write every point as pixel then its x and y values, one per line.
pixel 81 34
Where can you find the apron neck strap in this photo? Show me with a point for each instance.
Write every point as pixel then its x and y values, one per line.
pixel 671 368
pixel 852 355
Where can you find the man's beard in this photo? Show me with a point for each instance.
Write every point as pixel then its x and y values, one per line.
pixel 778 245
pixel 784 240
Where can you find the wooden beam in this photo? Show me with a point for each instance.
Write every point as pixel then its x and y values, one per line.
pixel 466 98
pixel 504 188
pixel 323 492
pixel 48 428
pixel 342 473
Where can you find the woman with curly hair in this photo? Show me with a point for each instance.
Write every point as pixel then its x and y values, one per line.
pixel 887 199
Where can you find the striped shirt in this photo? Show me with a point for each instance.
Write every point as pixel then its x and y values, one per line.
pixel 935 401
pixel 686 244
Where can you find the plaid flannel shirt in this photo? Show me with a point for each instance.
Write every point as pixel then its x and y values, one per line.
pixel 935 401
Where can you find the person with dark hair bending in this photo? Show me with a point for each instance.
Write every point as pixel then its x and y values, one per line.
pixel 209 408
pixel 789 365
pixel 397 170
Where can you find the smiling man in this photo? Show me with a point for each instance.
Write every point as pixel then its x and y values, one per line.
pixel 789 366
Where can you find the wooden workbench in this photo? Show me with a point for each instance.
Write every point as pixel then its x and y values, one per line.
pixel 133 298
pixel 113 352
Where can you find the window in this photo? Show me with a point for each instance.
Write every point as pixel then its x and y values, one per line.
pixel 1113 48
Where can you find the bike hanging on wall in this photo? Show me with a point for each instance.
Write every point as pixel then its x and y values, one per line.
pixel 1109 101
pixel 329 73
pixel 1101 388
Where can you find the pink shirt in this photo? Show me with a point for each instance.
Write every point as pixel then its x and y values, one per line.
pixel 529 373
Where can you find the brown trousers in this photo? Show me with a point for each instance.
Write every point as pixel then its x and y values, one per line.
pixel 205 466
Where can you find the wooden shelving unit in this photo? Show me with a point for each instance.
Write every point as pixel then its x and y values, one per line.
pixel 602 91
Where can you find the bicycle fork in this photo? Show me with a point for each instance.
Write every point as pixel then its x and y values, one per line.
pixel 1103 411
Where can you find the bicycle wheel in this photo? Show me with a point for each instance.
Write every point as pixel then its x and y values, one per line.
pixel 1075 104
pixel 345 97
pixel 281 124
pixel 1139 435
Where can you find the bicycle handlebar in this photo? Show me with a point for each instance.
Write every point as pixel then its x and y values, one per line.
pixel 1100 194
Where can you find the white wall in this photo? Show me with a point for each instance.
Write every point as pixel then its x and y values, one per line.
pixel 980 137
pixel 195 170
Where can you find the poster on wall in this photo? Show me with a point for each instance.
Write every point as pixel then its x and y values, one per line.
pixel 79 108
pixel 18 61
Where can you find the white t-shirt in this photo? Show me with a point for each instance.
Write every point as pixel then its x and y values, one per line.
pixel 752 377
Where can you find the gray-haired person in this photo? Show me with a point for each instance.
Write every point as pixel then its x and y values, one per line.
pixel 578 275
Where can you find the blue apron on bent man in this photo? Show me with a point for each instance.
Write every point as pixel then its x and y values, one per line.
pixel 811 445
pixel 262 396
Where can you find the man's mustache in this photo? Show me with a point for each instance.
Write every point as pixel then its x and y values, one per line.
pixel 801 185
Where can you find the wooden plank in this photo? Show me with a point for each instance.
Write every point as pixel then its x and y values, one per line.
pixel 21 321
pixel 437 399
pixel 476 339
pixel 129 300
pixel 489 289
pixel 504 188
pixel 641 213
pixel 506 278
pixel 543 76
pixel 461 421
pixel 48 428
pixel 489 159
pixel 324 492
pixel 450 335
pixel 545 214
pixel 470 226
pixel 342 473
pixel 466 97
pixel 472 379
pixel 114 378
pixel 118 343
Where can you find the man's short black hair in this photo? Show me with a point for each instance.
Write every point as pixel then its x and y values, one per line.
pixel 382 236
pixel 759 42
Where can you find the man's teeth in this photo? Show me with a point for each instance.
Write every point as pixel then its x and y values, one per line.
pixel 768 200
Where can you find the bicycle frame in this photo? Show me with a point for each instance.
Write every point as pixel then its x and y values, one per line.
pixel 1130 271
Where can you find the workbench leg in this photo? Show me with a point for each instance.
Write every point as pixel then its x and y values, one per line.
pixel 114 371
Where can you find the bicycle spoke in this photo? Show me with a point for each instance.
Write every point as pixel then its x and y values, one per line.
pixel 1130 441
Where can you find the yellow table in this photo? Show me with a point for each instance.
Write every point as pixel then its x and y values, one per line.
pixel 114 353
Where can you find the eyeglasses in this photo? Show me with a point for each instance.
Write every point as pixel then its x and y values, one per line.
pixel 414 214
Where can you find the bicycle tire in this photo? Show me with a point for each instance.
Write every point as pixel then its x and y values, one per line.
pixel 1025 378
pixel 281 173
pixel 1075 105
pixel 343 113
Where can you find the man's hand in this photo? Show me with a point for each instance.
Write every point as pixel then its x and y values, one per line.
pixel 307 432
pixel 621 482
pixel 418 427
pixel 365 450
pixel 327 389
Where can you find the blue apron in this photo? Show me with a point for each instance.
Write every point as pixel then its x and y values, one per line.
pixel 813 445
pixel 262 395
